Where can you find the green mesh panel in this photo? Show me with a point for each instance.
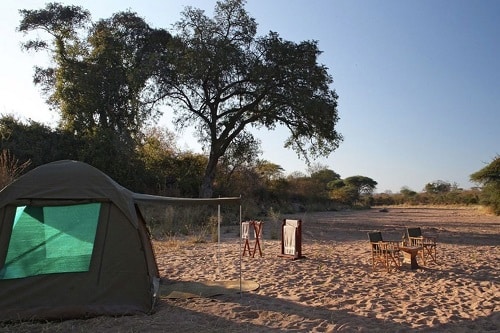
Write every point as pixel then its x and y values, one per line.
pixel 52 239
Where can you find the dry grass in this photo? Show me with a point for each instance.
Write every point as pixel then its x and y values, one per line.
pixel 10 168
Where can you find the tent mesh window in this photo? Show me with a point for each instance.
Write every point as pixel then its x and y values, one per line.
pixel 51 239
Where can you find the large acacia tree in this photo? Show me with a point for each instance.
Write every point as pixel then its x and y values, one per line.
pixel 352 189
pixel 221 78
pixel 101 71
pixel 99 78
pixel 108 76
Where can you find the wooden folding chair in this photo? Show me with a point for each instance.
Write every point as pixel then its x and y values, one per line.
pixel 428 244
pixel 378 257
pixel 385 254
pixel 392 255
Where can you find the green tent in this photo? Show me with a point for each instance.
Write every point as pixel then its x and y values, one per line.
pixel 73 243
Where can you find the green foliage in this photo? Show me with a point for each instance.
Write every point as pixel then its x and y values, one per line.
pixel 222 78
pixel 354 190
pixel 35 142
pixel 100 83
pixel 58 20
pixel 102 71
pixel 407 192
pixel 242 153
pixel 10 168
pixel 324 176
pixel 439 186
pixel 490 197
pixel 364 185
pixel 107 78
pixel 489 176
pixel 409 197
pixel 268 171
pixel 347 195
pixel 189 168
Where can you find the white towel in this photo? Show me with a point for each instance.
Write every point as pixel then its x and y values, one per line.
pixel 245 227
pixel 293 223
pixel 289 239
pixel 259 225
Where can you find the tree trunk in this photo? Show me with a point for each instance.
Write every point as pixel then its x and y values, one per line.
pixel 207 183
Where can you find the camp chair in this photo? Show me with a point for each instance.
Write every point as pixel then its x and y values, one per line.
pixel 384 253
pixel 428 244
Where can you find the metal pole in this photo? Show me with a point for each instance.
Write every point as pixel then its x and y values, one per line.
pixel 241 293
pixel 218 240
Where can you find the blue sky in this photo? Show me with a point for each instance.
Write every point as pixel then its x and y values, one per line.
pixel 418 81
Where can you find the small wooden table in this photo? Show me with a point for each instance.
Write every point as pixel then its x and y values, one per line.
pixel 412 251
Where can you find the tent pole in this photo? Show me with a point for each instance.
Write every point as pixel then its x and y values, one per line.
pixel 218 239
pixel 241 294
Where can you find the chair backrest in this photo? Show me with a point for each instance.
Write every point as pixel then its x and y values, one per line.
pixel 375 237
pixel 414 232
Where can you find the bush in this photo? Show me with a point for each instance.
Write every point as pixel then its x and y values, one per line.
pixel 10 168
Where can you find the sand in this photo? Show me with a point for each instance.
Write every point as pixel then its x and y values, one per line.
pixel 332 289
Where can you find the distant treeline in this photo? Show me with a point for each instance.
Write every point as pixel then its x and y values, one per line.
pixel 453 197
pixel 158 166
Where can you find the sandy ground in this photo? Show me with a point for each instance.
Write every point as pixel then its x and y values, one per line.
pixel 333 289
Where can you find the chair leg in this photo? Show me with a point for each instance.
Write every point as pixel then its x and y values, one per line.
pixel 392 262
pixel 422 255
pixel 430 253
pixel 378 260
